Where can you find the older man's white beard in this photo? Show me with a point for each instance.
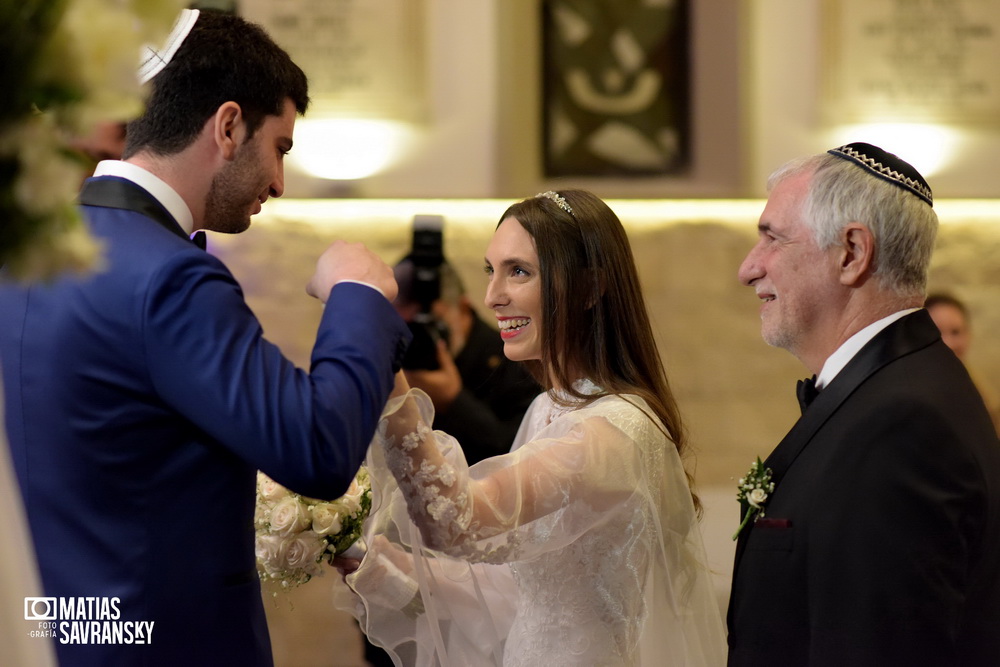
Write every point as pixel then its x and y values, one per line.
pixel 779 337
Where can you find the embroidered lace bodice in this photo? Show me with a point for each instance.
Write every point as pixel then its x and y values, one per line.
pixel 580 547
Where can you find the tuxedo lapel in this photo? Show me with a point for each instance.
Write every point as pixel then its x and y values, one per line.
pixel 113 192
pixel 904 336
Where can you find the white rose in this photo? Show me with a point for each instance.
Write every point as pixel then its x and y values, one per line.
pixel 303 550
pixel 270 490
pixel 325 519
pixel 288 517
pixel 757 497
pixel 355 490
pixel 346 506
pixel 260 516
pixel 271 551
pixel 104 67
pixel 46 176
pixel 350 502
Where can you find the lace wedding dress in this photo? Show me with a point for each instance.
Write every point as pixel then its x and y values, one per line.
pixel 580 547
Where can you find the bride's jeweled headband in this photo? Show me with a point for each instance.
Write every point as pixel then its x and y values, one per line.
pixel 558 199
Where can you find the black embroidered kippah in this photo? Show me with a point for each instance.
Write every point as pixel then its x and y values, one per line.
pixel 886 166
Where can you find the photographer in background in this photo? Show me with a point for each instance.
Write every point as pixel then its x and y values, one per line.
pixel 479 395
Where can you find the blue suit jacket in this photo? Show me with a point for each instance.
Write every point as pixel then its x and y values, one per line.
pixel 141 400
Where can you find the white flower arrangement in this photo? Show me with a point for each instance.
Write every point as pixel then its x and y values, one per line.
pixel 296 535
pixel 63 67
pixel 752 492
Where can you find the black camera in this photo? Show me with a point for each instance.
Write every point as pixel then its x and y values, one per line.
pixel 423 289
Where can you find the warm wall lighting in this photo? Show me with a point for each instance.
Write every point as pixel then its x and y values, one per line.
pixel 348 148
pixel 388 222
pixel 929 148
pixel 378 216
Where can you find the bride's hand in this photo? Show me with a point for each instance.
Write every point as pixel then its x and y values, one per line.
pixel 403 418
pixel 345 566
pixel 392 553
pixel 401 386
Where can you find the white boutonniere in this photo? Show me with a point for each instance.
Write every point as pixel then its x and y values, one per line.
pixel 752 492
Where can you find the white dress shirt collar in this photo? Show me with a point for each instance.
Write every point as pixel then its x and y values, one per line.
pixel 850 347
pixel 160 191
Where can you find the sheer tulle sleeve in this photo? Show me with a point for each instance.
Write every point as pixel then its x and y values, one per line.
pixel 483 516
pixel 471 566
pixel 423 607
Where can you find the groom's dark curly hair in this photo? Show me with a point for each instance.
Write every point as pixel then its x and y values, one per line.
pixel 224 58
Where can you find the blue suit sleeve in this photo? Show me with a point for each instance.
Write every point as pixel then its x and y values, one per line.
pixel 211 363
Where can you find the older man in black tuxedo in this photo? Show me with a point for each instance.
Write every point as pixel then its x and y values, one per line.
pixel 880 543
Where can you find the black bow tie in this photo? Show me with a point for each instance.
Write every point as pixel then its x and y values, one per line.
pixel 806 392
pixel 199 239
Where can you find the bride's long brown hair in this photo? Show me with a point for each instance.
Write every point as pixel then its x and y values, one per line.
pixel 595 324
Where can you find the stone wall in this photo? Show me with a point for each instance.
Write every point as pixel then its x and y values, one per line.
pixel 736 392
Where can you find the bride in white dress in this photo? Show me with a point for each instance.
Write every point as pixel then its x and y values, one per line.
pixel 581 546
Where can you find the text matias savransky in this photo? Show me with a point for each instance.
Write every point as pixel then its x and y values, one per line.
pixel 85 620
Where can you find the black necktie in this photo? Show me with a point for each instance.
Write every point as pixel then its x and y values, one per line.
pixel 199 239
pixel 806 392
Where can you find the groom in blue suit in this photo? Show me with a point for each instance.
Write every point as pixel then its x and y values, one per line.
pixel 141 399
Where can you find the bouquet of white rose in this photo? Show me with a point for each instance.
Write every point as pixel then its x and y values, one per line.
pixel 296 534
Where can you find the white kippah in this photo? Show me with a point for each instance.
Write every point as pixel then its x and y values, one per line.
pixel 153 59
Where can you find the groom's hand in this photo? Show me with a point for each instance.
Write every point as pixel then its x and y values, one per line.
pixel 343 261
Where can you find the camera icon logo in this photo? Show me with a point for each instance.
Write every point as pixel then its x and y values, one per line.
pixel 40 609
